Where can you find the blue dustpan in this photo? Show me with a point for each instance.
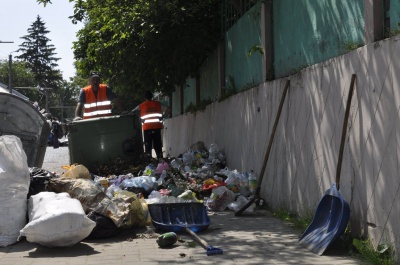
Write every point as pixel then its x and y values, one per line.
pixel 333 212
pixel 174 217
pixel 329 222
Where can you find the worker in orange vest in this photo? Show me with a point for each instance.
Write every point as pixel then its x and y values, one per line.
pixel 151 115
pixel 95 100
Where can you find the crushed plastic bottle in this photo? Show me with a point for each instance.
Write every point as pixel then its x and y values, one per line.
pixel 252 182
pixel 177 164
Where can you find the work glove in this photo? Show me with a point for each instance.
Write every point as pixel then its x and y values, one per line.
pixel 77 118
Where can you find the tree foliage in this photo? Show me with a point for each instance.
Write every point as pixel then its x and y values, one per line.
pixel 21 77
pixel 139 45
pixel 39 54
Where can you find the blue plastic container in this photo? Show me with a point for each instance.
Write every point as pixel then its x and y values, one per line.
pixel 174 217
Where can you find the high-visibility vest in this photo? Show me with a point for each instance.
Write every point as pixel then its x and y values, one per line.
pixel 151 115
pixel 96 107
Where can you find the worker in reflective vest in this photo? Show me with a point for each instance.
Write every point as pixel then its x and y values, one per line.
pixel 95 100
pixel 151 115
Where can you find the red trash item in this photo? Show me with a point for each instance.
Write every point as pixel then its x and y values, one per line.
pixel 213 185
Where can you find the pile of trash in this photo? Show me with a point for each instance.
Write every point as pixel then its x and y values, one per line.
pixel 66 208
pixel 199 175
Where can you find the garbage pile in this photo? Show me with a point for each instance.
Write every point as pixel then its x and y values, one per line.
pixel 66 208
pixel 199 175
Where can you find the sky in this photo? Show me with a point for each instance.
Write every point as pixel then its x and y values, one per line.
pixel 18 15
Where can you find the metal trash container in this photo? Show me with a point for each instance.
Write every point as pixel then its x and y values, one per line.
pixel 20 118
pixel 103 139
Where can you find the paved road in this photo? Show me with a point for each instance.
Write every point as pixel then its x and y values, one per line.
pixel 251 239
pixel 256 238
pixel 55 158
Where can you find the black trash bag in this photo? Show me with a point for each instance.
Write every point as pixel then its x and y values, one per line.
pixel 105 227
pixel 39 180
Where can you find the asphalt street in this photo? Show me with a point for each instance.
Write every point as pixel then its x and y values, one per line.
pixel 55 158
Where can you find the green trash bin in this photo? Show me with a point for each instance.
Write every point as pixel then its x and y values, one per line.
pixel 104 139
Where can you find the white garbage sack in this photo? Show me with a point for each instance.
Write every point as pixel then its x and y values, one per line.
pixel 14 188
pixel 56 220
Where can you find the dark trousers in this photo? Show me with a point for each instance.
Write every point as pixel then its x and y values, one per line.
pixel 54 132
pixel 152 139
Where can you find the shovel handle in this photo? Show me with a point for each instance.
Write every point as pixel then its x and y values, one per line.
pixel 344 130
pixel 271 140
pixel 196 237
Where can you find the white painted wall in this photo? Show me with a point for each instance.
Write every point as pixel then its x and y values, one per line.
pixel 303 159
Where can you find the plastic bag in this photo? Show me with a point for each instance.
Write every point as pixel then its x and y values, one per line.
pixel 161 180
pixel 189 195
pixel 14 176
pixel 240 202
pixel 237 179
pixel 112 190
pixel 105 228
pixel 220 198
pixel 162 166
pixel 147 183
pixel 188 158
pixel 76 171
pixel 129 203
pixel 39 180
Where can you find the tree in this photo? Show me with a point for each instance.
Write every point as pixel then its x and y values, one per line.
pixel 64 102
pixel 39 55
pixel 140 45
pixel 22 77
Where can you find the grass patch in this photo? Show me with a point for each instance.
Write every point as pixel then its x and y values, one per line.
pixel 349 46
pixel 383 255
pixel 300 223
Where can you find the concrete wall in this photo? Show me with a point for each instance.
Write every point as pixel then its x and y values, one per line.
pixel 304 156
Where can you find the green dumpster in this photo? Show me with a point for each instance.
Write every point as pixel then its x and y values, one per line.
pixel 104 139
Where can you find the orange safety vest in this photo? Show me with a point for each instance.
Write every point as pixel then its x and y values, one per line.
pixel 96 107
pixel 151 115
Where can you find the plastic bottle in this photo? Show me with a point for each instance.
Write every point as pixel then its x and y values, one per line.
pixel 177 164
pixel 252 182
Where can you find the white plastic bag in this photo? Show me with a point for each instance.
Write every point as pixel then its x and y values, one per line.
pixel 14 187
pixel 145 182
pixel 220 198
pixel 240 202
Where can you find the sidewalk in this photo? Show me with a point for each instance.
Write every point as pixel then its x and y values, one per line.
pixel 256 238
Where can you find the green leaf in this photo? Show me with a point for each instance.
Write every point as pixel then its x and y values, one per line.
pixel 358 244
pixel 191 244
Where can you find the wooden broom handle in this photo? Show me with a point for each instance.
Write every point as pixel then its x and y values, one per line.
pixel 344 130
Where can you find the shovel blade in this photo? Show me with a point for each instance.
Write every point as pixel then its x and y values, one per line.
pixel 329 222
